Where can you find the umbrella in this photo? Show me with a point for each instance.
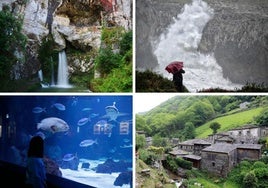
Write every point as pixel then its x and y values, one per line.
pixel 174 66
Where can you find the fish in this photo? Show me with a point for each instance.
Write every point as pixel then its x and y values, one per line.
pixel 53 125
pixel 83 121
pixel 89 142
pixel 68 157
pixel 59 106
pixel 93 115
pixel 86 109
pixel 126 146
pixel 38 110
pixel 112 113
pixel 126 140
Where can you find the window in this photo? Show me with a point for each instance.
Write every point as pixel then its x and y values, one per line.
pixel 124 127
pixel 213 163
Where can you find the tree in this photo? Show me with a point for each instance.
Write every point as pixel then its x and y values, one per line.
pixel 140 141
pixel 262 119
pixel 12 42
pixel 189 131
pixel 215 126
pixel 250 180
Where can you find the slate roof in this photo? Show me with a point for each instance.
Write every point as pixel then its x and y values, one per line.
pixel 195 157
pixel 194 141
pixel 178 152
pixel 249 146
pixel 220 148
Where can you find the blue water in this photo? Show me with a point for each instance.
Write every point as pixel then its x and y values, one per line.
pixel 86 118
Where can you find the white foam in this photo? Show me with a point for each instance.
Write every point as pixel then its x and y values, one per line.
pixel 180 43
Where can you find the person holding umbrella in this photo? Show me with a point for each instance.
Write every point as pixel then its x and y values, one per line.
pixel 176 69
pixel 178 79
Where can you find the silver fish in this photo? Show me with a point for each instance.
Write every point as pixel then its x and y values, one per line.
pixel 86 109
pixel 38 110
pixel 86 143
pixel 53 125
pixel 68 157
pixel 83 121
pixel 59 106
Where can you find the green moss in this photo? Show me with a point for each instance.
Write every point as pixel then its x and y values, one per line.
pixel 111 35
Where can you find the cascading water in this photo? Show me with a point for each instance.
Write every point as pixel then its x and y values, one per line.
pixel 63 71
pixel 180 43
pixel 40 75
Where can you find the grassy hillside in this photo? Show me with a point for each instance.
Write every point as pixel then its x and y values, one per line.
pixel 229 122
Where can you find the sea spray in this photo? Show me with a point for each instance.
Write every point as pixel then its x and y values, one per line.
pixel 180 42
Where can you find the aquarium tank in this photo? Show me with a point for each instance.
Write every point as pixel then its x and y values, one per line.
pixel 88 139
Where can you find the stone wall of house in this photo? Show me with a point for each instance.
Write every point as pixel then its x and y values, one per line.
pixel 247 154
pixel 218 163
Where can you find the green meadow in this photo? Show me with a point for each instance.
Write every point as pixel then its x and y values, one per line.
pixel 228 122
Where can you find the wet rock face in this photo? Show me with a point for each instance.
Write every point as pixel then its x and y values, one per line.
pixel 152 18
pixel 237 34
pixel 77 22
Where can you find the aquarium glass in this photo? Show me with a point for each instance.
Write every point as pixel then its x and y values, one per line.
pixel 88 139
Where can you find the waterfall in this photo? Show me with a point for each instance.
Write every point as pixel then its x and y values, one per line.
pixel 63 71
pixel 40 75
pixel 180 43
pixel 52 73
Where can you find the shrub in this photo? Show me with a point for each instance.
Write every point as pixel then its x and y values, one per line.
pixel 147 156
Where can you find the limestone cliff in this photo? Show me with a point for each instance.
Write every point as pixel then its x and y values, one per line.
pixel 77 22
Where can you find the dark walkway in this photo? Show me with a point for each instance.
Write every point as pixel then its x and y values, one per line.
pixel 14 176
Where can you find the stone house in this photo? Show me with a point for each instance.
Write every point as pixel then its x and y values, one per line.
pixel 195 159
pixel 248 151
pixel 193 146
pixel 248 134
pixel 178 152
pixel 219 159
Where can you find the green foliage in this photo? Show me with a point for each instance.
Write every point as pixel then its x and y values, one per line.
pixel 140 141
pixel 126 43
pixel 159 141
pixel 147 156
pixel 141 125
pixel 119 80
pixel 253 87
pixel 48 57
pixel 81 79
pixel 158 151
pixel 173 163
pixel 215 126
pixel 111 35
pixel 115 68
pixel 106 61
pixel 189 131
pixel 148 81
pixel 250 180
pixel 12 41
pixel 250 174
pixel 172 118
pixel 203 111
pixel 262 119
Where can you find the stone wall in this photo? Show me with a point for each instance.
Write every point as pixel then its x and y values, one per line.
pixel 247 154
pixel 218 163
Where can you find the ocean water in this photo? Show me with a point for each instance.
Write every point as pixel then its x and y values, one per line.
pixel 180 43
pixel 81 133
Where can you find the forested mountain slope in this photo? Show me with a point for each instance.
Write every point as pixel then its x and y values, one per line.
pixel 186 117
